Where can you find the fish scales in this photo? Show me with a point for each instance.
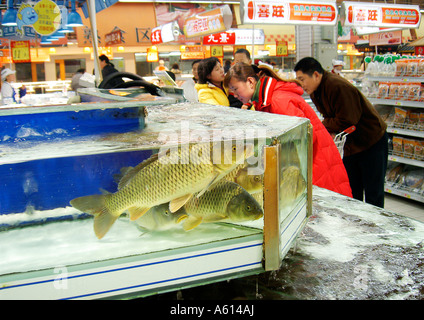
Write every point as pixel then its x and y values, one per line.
pixel 174 178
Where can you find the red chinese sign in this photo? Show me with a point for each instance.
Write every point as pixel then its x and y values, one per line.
pixel 419 50
pixel 222 38
pixel 381 15
pixel 156 35
pixel 288 12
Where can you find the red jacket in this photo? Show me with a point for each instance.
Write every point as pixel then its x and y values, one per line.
pixel 280 97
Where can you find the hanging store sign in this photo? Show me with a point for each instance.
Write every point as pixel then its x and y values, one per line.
pixel 222 38
pixel 365 14
pixel 45 17
pixel 217 51
pixel 235 37
pixel 166 33
pixel 208 22
pixel 152 54
pixel 282 48
pixel 113 38
pixel 288 12
pixel 192 52
pixel 20 51
pixel 385 38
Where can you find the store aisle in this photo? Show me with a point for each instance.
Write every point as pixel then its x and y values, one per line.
pixel 403 206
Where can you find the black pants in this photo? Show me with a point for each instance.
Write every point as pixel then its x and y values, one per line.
pixel 367 171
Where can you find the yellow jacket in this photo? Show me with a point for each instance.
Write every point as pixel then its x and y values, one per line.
pixel 211 94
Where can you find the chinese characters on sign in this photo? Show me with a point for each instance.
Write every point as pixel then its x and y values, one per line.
pixel 224 38
pixel 288 12
pixel 282 49
pixel 235 37
pixel 48 17
pixel 114 37
pixel 20 51
pixel 383 15
pixel 208 22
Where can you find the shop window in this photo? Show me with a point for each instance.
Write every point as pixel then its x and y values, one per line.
pixel 66 68
pixel 23 72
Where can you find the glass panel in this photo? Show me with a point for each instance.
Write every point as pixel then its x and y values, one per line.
pixel 72 66
pixel 293 169
pixel 44 168
pixel 23 72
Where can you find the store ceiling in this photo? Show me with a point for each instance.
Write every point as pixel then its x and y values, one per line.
pixel 415 2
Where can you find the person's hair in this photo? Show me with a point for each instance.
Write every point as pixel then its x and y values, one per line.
pixel 82 70
pixel 246 52
pixel 195 61
pixel 175 66
pixel 240 71
pixel 308 66
pixel 205 68
pixel 104 58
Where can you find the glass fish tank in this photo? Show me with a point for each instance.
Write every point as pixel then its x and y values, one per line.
pixel 124 199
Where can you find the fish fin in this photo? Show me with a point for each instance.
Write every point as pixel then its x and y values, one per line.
pixel 191 223
pixel 95 205
pixel 183 217
pixel 103 222
pixel 136 212
pixel 178 203
pixel 90 204
pixel 215 179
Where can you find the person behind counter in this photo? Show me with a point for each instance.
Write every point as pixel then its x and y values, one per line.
pixel 190 93
pixel 274 95
pixel 107 69
pixel 75 79
pixel 210 86
pixel 337 67
pixel 343 105
pixel 7 91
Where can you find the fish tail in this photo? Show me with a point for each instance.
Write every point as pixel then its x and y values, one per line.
pixel 95 205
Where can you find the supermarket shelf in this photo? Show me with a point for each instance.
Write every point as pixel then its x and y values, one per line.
pixel 399 103
pixel 411 162
pixel 397 79
pixel 403 193
pixel 406 132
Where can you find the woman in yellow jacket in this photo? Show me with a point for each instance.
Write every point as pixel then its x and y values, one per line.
pixel 210 87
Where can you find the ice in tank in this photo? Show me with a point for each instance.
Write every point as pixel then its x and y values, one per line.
pixel 199 194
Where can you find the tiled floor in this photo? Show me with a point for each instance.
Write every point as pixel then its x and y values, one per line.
pixel 403 206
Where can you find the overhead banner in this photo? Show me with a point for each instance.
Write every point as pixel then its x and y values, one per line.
pixel 365 14
pixel 208 22
pixel 235 37
pixel 385 38
pixel 166 33
pixel 288 12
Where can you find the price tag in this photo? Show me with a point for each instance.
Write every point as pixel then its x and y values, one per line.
pixel 282 49
pixel 20 51
pixel 217 51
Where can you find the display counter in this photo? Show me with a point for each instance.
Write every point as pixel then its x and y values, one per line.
pixel 349 250
pixel 49 247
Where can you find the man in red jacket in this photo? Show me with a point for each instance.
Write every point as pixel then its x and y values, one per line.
pixel 284 97
pixel 343 105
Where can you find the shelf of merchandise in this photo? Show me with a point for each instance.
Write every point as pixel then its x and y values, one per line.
pixel 397 79
pixel 396 189
pixel 403 192
pixel 397 103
